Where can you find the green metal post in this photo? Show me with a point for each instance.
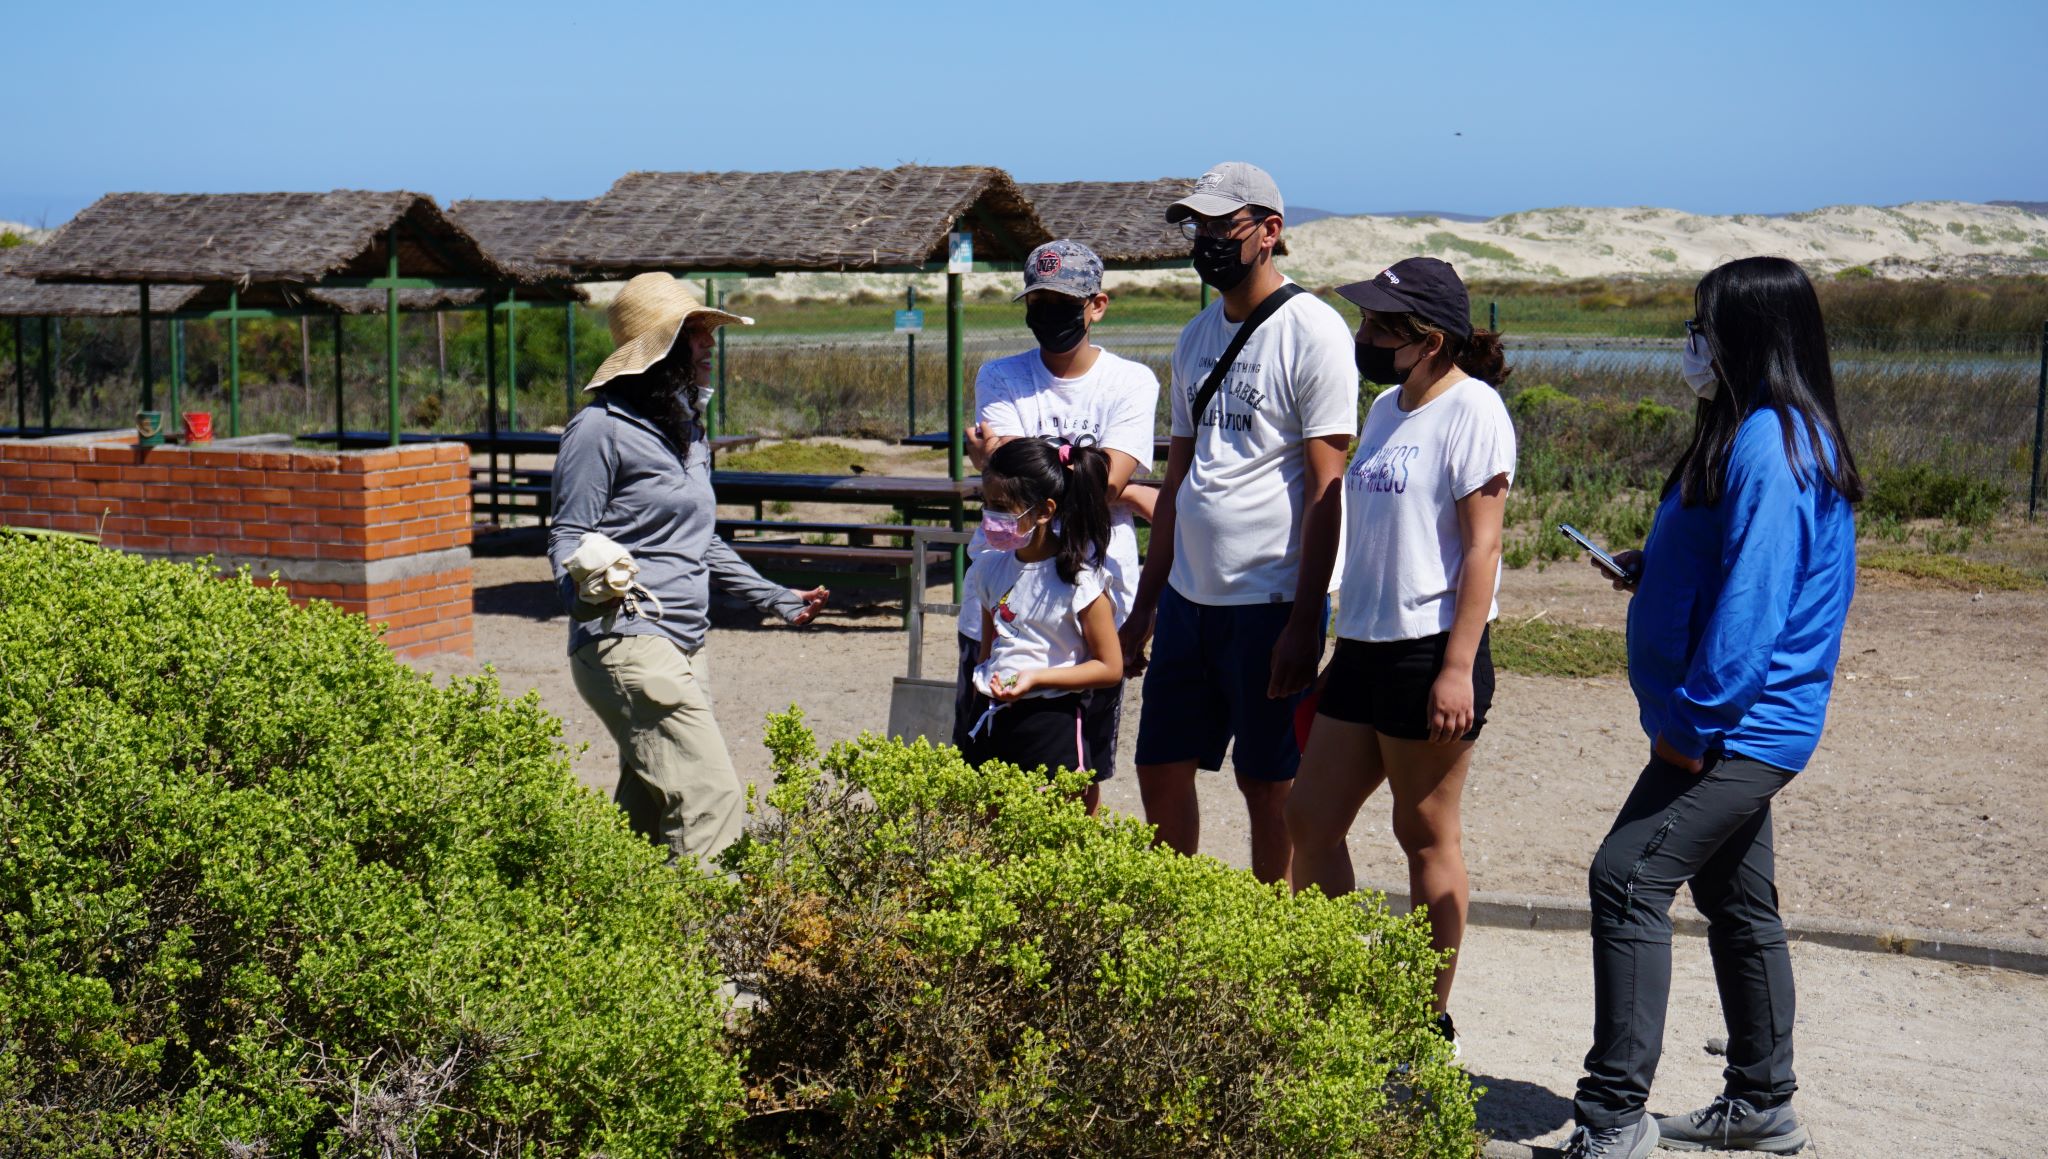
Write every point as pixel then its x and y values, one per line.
pixel 20 380
pixel 1493 316
pixel 491 397
pixel 1205 295
pixel 148 361
pixel 910 358
pixel 724 420
pixel 340 402
pixel 177 372
pixel 49 372
pixel 234 366
pixel 711 413
pixel 2040 427
pixel 569 364
pixel 391 332
pixel 956 323
pixel 511 361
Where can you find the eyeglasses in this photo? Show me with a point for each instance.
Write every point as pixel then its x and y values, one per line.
pixel 1198 227
pixel 1692 327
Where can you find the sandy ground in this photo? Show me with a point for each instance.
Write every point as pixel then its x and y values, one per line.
pixel 1921 808
pixel 1896 1058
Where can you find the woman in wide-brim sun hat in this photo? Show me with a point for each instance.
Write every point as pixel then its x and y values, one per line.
pixel 635 555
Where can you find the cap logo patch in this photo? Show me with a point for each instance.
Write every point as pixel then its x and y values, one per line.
pixel 1208 181
pixel 1388 274
pixel 1048 264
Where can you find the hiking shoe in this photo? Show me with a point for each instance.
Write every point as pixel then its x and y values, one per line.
pixel 1733 1125
pixel 1445 1027
pixel 1634 1141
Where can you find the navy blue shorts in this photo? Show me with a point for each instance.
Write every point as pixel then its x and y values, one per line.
pixel 1206 686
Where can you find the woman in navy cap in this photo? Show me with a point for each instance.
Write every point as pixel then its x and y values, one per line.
pixel 1406 692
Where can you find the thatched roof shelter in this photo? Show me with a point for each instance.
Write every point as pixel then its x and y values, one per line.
pixel 1124 222
pixel 871 220
pixel 22 297
pixel 514 231
pixel 269 246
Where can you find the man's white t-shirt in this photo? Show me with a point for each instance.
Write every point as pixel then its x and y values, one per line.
pixel 1042 626
pixel 1405 553
pixel 1237 517
pixel 1113 404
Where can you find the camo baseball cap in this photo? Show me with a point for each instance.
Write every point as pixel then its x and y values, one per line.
pixel 1063 265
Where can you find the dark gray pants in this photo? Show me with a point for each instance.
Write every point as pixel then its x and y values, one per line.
pixel 1712 829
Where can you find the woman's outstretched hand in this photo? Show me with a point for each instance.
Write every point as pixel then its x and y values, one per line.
pixel 1632 561
pixel 813 600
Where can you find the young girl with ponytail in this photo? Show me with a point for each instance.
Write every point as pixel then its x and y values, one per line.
pixel 1048 628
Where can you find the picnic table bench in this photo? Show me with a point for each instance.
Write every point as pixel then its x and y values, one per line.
pixel 937 440
pixel 860 560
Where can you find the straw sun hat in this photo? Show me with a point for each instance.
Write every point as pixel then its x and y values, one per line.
pixel 645 319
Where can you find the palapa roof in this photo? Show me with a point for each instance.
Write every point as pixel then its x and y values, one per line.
pixel 514 231
pixel 269 245
pixel 1124 222
pixel 22 297
pixel 824 219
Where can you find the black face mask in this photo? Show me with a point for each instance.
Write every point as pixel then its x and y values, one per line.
pixel 1220 262
pixel 1376 363
pixel 1059 323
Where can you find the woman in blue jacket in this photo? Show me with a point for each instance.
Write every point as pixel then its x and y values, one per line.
pixel 1733 636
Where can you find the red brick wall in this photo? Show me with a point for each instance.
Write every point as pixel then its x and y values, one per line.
pixel 383 533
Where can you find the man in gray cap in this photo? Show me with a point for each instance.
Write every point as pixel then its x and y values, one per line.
pixel 1068 389
pixel 1244 538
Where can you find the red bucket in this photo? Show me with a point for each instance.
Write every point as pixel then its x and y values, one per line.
pixel 198 427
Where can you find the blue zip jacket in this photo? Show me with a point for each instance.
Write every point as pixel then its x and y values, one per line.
pixel 1736 625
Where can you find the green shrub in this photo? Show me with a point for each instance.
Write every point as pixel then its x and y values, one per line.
pixel 1924 492
pixel 1543 647
pixel 963 963
pixel 263 887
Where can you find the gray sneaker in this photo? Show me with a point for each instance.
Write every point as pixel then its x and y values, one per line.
pixel 1634 1141
pixel 1733 1125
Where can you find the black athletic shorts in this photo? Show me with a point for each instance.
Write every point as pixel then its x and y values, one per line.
pixel 1034 731
pixel 1386 684
pixel 1102 713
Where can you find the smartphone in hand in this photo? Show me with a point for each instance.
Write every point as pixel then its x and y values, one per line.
pixel 1606 562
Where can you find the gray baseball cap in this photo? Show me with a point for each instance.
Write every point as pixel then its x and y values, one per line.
pixel 1063 265
pixel 1226 189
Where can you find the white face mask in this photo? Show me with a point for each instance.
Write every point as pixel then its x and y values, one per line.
pixel 1698 366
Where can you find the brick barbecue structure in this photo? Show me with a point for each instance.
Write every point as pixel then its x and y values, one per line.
pixel 384 533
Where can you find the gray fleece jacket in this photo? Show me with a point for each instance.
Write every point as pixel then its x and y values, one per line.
pixel 619 475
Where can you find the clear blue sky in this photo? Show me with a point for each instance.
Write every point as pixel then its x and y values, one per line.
pixel 1730 106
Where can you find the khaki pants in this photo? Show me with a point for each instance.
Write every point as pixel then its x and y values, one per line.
pixel 676 781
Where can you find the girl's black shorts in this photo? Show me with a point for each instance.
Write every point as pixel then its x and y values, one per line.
pixel 1037 730
pixel 1386 684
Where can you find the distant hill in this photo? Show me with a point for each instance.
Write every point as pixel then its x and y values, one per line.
pixel 2040 207
pixel 1302 215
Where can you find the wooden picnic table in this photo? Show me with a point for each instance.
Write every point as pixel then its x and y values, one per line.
pixel 919 491
pixel 505 442
pixel 937 440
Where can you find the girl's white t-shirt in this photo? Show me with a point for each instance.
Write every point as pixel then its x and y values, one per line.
pixel 1404 554
pixel 1042 627
pixel 1113 404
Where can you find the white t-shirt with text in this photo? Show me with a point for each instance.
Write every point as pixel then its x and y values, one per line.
pixel 1237 516
pixel 1038 615
pixel 1113 404
pixel 1405 555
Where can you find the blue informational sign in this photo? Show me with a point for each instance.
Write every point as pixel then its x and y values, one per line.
pixel 910 321
pixel 960 253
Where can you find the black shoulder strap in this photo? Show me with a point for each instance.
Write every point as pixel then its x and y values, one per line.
pixel 1217 373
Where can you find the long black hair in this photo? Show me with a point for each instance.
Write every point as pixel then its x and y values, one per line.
pixel 1030 471
pixel 1763 328
pixel 664 393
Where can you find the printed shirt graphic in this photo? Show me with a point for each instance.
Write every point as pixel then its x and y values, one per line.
pixel 1113 404
pixel 1404 552
pixel 1043 629
pixel 1237 517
